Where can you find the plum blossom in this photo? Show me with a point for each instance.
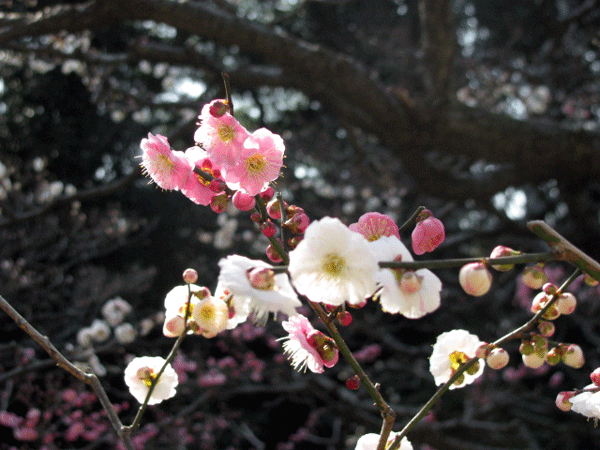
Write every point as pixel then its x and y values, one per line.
pixel 369 441
pixel 333 265
pixel 141 372
pixel 587 402
pixel 255 280
pixel 410 293
pixel 197 188
pixel 450 350
pixel 169 169
pixel 221 135
pixel 307 347
pixel 259 162
pixel 374 225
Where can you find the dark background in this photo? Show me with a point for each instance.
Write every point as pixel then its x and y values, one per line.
pixel 486 112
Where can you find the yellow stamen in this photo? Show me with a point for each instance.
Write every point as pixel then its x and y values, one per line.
pixel 256 163
pixel 333 264
pixel 226 133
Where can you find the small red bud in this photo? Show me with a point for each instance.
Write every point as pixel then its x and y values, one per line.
pixel 255 217
pixel 190 276
pixel 243 201
pixel 267 194
pixel 217 185
pixel 344 318
pixel 219 203
pixel 272 253
pixel 268 228
pixel 353 382
pixel 218 108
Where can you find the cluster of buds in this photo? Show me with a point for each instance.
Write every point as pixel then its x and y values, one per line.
pixel 535 352
pixel 565 302
pixel 495 357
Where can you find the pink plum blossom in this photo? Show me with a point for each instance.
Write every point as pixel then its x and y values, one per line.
pixel 298 346
pixel 222 137
pixel 197 188
pixel 169 169
pixel 259 162
pixel 374 225
pixel 428 234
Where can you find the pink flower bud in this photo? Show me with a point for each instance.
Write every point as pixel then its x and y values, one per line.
pixel 573 356
pixel 190 276
pixel 475 279
pixel 293 242
pixel 267 194
pixel 353 382
pixel 297 223
pixel 534 276
pixel 344 318
pixel 273 209
pixel 272 253
pixel 595 376
pixel 217 185
pixel 428 234
pixel 243 201
pixel 262 278
pixel 566 303
pixel 268 228
pixel 483 350
pixel 497 359
pixel 549 289
pixel 563 400
pixel 218 108
pixel 503 251
pixel 219 203
pixel 546 328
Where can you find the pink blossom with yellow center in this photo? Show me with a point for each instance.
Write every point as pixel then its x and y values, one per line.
pixel 197 188
pixel 169 169
pixel 260 161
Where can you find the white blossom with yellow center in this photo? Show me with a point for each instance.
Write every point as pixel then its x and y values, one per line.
pixel 333 265
pixel 450 351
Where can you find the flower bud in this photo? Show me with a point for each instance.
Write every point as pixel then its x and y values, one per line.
pixel 243 201
pixel 595 376
pixel 190 276
pixel 293 210
pixel 293 242
pixel 573 356
pixel 533 361
pixel 218 108
pixel 566 303
pixel 272 253
pixel 534 276
pixel 526 348
pixel 563 400
pixel 546 328
pixel 262 278
pixel 497 359
pixel 268 228
pixel 173 326
pixel 217 185
pixel 344 318
pixel 550 289
pixel 219 203
pixel 475 279
pixel 553 357
pixel 267 194
pixel 297 223
pixel 590 281
pixel 273 209
pixel 428 234
pixel 483 350
pixel 502 251
pixel 353 382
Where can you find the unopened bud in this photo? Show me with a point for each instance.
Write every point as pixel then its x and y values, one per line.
pixel 554 356
pixel 262 278
pixel 503 251
pixel 497 359
pixel 533 361
pixel 190 276
pixel 595 376
pixel 267 194
pixel 563 400
pixel 217 185
pixel 219 203
pixel 243 201
pixel 550 289
pixel 273 209
pixel 573 356
pixel 353 382
pixel 483 350
pixel 293 210
pixel 344 318
pixel 475 279
pixel 268 228
pixel 428 233
pixel 566 303
pixel 272 253
pixel 218 108
pixel 298 223
pixel 526 348
pixel 174 326
pixel 534 276
pixel 546 328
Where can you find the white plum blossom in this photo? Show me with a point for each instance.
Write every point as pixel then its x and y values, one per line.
pixel 142 371
pixel 333 264
pixel 450 350
pixel 255 280
pixel 587 403
pixel 410 293
pixel 115 310
pixel 369 441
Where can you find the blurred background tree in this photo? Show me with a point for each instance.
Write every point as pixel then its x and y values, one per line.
pixel 487 112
